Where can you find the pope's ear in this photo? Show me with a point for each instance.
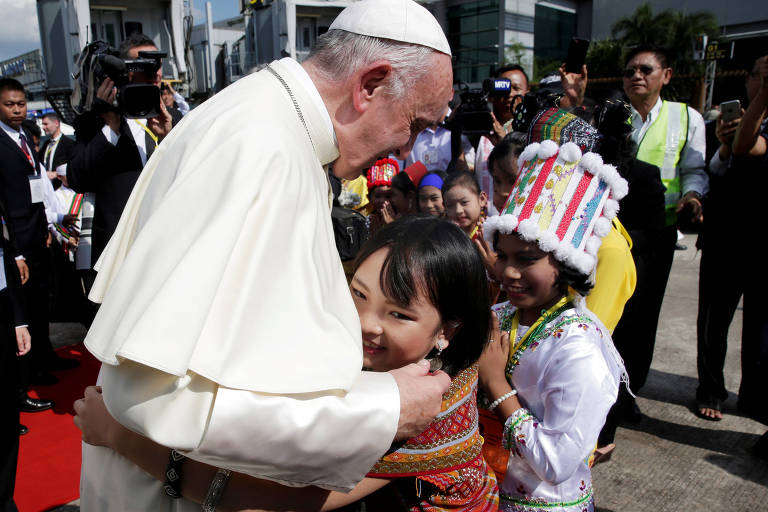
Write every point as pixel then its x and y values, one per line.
pixel 368 82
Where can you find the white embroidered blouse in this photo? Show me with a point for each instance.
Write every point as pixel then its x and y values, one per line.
pixel 567 379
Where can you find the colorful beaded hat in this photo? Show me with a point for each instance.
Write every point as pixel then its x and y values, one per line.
pixel 382 172
pixel 561 126
pixel 563 200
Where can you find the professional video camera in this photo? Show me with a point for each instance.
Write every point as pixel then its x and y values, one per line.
pixel 472 115
pixel 98 61
pixel 531 103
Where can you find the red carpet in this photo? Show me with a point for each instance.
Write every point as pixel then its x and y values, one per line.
pixel 49 456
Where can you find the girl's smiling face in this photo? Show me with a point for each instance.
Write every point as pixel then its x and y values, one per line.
pixel 464 207
pixel 394 335
pixel 528 275
pixel 431 201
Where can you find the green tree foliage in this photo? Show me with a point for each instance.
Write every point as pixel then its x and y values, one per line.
pixel 642 27
pixel 604 58
pixel 673 30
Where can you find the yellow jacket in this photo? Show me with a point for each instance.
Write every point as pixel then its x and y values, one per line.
pixel 615 276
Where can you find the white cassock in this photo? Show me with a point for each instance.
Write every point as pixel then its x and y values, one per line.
pixel 227 330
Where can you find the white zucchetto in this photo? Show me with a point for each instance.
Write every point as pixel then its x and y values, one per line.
pixel 399 20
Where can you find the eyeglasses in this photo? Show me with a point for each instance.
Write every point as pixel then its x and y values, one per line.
pixel 644 70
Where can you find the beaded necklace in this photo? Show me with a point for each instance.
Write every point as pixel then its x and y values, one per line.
pixel 533 334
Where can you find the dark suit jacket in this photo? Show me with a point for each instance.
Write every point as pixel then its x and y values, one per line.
pixel 26 220
pixel 110 171
pixel 642 209
pixel 175 115
pixel 61 155
pixel 12 278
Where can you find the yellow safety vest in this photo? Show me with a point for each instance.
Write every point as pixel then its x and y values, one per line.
pixel 662 146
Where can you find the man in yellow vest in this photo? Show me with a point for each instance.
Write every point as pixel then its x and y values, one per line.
pixel 670 136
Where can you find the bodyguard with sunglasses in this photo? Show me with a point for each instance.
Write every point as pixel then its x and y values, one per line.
pixel 671 136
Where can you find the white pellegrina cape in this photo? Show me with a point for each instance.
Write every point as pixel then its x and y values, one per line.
pixel 226 327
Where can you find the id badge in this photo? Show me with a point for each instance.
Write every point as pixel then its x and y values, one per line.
pixel 36 189
pixel 430 156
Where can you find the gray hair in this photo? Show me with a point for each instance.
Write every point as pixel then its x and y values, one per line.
pixel 338 53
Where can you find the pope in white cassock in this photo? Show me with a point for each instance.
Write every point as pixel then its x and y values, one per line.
pixel 226 329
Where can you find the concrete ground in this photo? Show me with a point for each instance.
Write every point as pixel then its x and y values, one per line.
pixel 671 460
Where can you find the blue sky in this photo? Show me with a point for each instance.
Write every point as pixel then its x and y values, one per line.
pixel 19 32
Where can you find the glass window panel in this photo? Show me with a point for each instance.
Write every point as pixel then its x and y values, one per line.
pixel 553 30
pixel 487 38
pixel 488 21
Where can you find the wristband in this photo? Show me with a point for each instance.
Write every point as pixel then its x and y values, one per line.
pixel 503 397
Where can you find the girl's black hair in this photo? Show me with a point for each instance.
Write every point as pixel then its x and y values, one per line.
pixel 403 183
pixel 434 255
pixel 465 179
pixel 567 276
pixel 573 278
pixel 513 143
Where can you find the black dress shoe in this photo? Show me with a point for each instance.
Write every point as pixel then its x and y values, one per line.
pixel 28 404
pixel 62 363
pixel 43 379
pixel 23 429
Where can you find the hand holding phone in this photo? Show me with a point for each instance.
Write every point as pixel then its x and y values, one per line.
pixel 730 110
pixel 577 54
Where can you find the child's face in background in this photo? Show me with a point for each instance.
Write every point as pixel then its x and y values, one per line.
pixel 401 203
pixel 504 174
pixel 464 207
pixel 393 335
pixel 379 196
pixel 528 275
pixel 431 201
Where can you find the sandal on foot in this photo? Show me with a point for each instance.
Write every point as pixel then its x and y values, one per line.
pixel 712 403
pixel 603 453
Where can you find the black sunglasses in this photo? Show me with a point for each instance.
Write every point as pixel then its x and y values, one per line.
pixel 644 70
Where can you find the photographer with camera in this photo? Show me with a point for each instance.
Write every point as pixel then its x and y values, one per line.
pixel 502 106
pixel 114 142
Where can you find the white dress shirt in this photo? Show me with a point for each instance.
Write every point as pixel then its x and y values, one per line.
pixel 139 136
pixel 433 148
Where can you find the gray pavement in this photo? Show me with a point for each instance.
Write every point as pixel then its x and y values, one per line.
pixel 671 460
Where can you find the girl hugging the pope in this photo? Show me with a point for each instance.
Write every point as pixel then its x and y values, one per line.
pixel 410 288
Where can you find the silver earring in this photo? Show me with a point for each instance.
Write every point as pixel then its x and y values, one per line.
pixel 436 363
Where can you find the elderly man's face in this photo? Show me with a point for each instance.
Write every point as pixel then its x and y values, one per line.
pixel 646 79
pixel 390 124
